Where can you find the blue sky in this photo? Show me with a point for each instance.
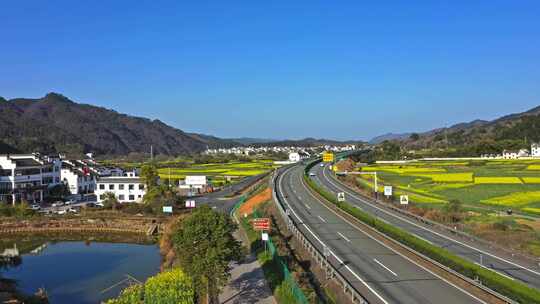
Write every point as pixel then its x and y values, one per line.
pixel 279 69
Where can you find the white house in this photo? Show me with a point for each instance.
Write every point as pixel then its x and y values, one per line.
pixel 194 182
pixel 127 189
pixel 78 177
pixel 509 154
pixel 27 176
pixel 512 154
pixel 535 150
pixel 294 157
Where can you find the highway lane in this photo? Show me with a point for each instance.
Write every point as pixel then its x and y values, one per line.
pixel 369 264
pixel 473 252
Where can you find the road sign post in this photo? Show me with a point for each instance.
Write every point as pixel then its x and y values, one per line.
pixel 341 196
pixel 404 199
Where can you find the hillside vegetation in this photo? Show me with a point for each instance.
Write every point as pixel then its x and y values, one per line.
pixel 54 123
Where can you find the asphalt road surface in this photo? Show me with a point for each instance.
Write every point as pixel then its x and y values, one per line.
pixel 380 273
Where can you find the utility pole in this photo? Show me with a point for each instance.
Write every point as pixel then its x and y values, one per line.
pixel 151 153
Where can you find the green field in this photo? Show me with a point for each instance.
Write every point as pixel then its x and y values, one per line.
pixel 494 184
pixel 220 173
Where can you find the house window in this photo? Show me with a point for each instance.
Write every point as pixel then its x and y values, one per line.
pixel 121 187
pixel 139 196
pixel 101 187
pixel 141 186
pixel 111 187
pixel 131 197
pixel 121 197
pixel 131 186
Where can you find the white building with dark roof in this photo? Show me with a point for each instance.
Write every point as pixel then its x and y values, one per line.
pixel 78 176
pixel 26 177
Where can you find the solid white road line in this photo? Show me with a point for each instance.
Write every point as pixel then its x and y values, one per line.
pixel 323 220
pixel 424 228
pixel 391 249
pixel 344 237
pixel 307 206
pixel 340 261
pixel 504 275
pixel 382 265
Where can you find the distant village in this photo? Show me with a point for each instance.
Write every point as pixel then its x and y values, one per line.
pixel 250 150
pixel 517 154
pixel 29 177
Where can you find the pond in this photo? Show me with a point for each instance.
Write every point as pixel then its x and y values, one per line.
pixel 83 272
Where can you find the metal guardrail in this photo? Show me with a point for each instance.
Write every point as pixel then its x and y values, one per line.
pixel 331 271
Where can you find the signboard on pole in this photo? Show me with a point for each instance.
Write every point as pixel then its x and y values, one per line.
pixel 167 209
pixel 264 236
pixel 404 199
pixel 328 157
pixel 388 190
pixel 261 223
pixel 190 204
pixel 341 196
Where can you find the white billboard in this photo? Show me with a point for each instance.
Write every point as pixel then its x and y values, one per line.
pixel 167 209
pixel 195 180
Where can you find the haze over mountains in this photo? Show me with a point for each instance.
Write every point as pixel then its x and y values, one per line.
pixel 54 123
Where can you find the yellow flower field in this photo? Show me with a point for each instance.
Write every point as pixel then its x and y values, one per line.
pixel 497 180
pixel 533 167
pixel 515 199
pixel 531 180
pixel 532 210
pixel 449 177
pixel 403 170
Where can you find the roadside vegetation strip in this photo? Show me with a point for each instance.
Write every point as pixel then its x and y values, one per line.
pixel 510 288
pixel 516 199
pixel 531 210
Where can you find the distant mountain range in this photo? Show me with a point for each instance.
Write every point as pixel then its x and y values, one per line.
pixel 388 136
pixel 56 124
pixel 510 131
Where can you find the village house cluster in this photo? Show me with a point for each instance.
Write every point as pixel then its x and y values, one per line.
pixel 251 150
pixel 30 177
pixel 517 154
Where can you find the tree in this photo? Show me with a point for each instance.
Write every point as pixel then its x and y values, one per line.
pixel 414 136
pixel 149 175
pixel 205 246
pixel 110 200
pixel 454 209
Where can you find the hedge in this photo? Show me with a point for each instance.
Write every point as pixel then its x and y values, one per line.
pixel 512 289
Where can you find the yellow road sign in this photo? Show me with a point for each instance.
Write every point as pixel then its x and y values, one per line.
pixel 328 157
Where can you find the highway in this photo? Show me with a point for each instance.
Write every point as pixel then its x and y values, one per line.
pixel 528 274
pixel 380 273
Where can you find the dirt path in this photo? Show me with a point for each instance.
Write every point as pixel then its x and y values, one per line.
pixel 247 283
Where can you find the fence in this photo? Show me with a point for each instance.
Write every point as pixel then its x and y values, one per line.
pixel 331 271
pixel 289 281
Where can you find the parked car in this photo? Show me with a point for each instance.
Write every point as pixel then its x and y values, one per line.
pixel 58 204
pixel 61 212
pixel 311 174
pixel 35 207
pixel 99 204
pixel 72 210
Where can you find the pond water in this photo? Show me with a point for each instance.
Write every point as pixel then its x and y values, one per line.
pixel 80 272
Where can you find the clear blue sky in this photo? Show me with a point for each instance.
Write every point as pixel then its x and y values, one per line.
pixel 279 69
